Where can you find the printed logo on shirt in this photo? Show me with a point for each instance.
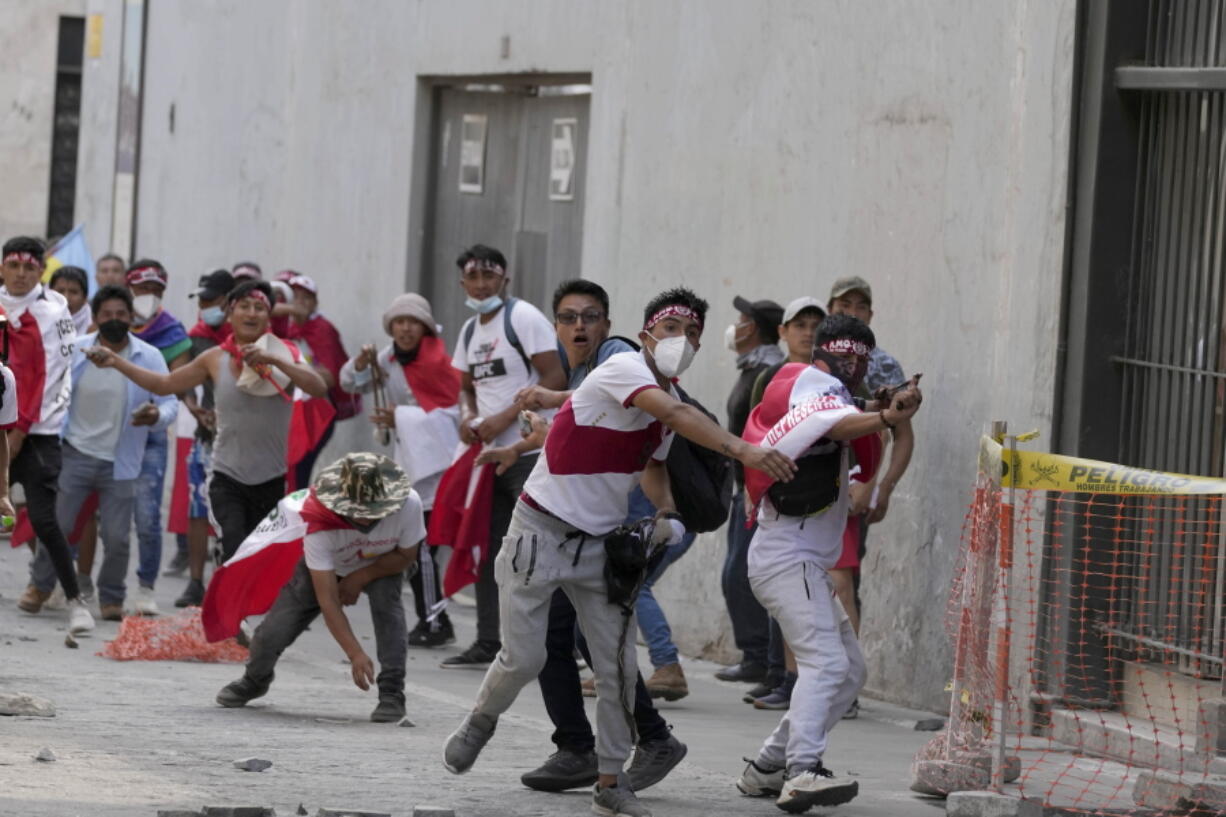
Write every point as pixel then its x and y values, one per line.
pixel 493 368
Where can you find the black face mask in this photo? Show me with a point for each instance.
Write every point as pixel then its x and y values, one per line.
pixel 113 331
pixel 851 373
pixel 402 357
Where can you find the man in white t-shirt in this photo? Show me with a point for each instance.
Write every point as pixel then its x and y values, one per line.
pixel 8 418
pixel 798 541
pixel 611 434
pixel 364 526
pixel 508 346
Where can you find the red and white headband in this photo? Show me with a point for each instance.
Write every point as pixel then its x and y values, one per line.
pixel 841 346
pixel 673 311
pixel 146 275
pixel 255 295
pixel 24 258
pixel 477 265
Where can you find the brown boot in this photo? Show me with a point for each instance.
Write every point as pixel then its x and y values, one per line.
pixel 33 599
pixel 668 682
pixel 111 612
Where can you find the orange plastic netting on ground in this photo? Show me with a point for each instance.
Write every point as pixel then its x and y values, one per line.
pixel 179 637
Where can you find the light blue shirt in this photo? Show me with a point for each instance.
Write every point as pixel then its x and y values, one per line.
pixel 130 444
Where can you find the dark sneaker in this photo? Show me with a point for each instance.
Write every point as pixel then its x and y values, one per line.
pixel 780 697
pixel 618 801
pixel 389 710
pixel 746 672
pixel 465 743
pixel 818 786
pixel 763 689
pixel 193 595
pixel 423 636
pixel 853 711
pixel 760 781
pixel 479 656
pixel 563 770
pixel 653 760
pixel 177 565
pixel 241 691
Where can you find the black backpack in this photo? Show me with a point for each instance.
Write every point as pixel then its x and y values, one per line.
pixel 508 329
pixel 701 479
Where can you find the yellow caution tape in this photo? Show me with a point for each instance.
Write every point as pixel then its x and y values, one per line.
pixel 1034 471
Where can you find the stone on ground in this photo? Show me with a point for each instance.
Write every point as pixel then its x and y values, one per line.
pixel 21 703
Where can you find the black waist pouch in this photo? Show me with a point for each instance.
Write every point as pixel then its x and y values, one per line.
pixel 814 488
pixel 625 563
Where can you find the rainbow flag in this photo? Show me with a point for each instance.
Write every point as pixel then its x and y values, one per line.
pixel 71 251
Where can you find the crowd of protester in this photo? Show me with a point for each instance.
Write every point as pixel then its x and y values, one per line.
pixel 563 468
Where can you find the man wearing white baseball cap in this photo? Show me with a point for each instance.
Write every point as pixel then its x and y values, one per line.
pixel 415 373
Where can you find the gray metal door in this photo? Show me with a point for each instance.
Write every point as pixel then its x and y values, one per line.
pixel 508 171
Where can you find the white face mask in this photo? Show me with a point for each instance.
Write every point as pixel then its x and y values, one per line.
pixel 673 356
pixel 485 305
pixel 144 307
pixel 730 337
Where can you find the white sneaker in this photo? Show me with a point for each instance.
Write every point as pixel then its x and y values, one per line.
pixel 760 781
pixel 144 604
pixel 57 600
pixel 79 619
pixel 817 786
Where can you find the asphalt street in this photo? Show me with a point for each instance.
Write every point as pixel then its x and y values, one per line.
pixel 130 738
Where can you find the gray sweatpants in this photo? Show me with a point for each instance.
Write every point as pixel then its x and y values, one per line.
pixel 829 663
pixel 541 554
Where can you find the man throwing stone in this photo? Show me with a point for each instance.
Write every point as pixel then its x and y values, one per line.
pixel 612 433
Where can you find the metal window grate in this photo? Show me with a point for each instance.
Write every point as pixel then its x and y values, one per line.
pixel 1173 414
pixel 66 126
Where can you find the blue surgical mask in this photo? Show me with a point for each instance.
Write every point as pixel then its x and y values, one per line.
pixel 486 306
pixel 213 315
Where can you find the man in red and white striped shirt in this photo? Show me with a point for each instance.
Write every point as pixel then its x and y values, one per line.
pixel 36 342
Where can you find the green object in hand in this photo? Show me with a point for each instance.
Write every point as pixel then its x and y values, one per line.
pixel 7 521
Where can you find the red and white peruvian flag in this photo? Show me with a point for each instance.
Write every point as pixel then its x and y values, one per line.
pixel 308 422
pixel 249 582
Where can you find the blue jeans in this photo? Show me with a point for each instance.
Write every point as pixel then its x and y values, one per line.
pixel 149 507
pixel 652 623
pixel 80 476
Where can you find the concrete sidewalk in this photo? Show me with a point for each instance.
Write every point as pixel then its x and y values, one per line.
pixel 134 737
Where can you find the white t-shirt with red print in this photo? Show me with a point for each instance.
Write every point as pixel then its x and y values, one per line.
pixel 598 446
pixel 349 549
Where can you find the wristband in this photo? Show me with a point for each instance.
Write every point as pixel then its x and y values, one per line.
pixel 884 421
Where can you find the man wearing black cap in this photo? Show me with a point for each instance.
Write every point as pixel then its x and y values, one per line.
pixel 755 339
pixel 211 330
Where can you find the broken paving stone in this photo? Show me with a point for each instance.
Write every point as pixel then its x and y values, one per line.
pixel 26 638
pixel 406 722
pixel 252 764
pixel 930 725
pixel 301 809
pixel 45 755
pixel 19 703
pixel 348 812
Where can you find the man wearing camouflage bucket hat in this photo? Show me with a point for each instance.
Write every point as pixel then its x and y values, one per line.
pixel 360 526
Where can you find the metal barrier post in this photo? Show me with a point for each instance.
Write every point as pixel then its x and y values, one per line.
pixel 1003 621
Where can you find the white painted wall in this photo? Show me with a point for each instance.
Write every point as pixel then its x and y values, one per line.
pixel 29 37
pixel 740 148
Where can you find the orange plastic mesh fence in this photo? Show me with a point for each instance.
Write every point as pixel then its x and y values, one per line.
pixel 179 637
pixel 1111 644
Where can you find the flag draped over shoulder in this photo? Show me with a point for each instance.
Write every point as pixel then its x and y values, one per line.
pixel 249 582
pixel 461 518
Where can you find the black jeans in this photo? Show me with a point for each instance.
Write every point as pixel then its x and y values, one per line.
pixel 750 622
pixel 427 590
pixel 238 508
pixel 507 489
pixel 563 696
pixel 37 468
pixel 297 606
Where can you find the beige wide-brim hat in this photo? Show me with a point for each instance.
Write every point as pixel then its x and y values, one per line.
pixel 410 305
pixel 249 380
pixel 363 485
